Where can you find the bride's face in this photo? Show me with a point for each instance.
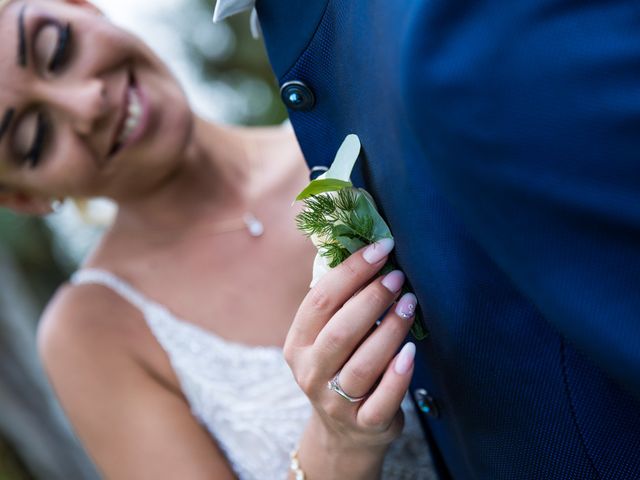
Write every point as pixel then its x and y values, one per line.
pixel 86 108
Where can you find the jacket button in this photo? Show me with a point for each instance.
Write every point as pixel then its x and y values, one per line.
pixel 297 96
pixel 426 403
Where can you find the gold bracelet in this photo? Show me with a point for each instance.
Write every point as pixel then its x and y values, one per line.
pixel 294 466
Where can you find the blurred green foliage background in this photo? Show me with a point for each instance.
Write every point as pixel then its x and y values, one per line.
pixel 230 81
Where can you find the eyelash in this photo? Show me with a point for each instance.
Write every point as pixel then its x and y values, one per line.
pixel 62 48
pixel 32 158
pixel 60 54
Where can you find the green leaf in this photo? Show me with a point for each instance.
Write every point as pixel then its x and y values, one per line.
pixel 351 244
pixel 337 177
pixel 343 230
pixel 366 208
pixel 322 185
pixel 418 330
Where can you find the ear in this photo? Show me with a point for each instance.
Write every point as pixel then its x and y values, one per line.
pixel 24 203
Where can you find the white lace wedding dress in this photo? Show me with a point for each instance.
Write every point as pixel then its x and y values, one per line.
pixel 246 396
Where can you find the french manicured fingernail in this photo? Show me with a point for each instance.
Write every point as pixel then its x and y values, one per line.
pixel 393 281
pixel 406 307
pixel 377 251
pixel 405 358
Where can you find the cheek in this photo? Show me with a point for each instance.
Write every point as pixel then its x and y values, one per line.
pixel 171 120
pixel 72 169
pixel 179 125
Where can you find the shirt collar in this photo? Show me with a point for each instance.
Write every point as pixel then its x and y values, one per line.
pixel 227 8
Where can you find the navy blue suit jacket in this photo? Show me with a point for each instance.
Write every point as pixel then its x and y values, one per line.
pixel 502 142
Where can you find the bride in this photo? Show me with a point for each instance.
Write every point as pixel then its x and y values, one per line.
pixel 166 347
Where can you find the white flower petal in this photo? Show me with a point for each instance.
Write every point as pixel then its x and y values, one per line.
pixel 345 159
pixel 320 267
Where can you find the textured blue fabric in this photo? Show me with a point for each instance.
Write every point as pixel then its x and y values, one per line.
pixel 502 142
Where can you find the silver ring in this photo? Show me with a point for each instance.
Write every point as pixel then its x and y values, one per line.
pixel 334 385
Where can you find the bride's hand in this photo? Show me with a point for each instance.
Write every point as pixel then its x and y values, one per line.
pixel 333 336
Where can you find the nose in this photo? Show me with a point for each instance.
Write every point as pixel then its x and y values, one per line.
pixel 83 103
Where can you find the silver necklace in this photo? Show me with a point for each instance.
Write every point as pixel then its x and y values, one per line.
pixel 248 220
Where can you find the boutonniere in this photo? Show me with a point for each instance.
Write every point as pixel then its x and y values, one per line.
pixel 341 219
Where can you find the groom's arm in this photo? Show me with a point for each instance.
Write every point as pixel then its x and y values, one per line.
pixel 529 112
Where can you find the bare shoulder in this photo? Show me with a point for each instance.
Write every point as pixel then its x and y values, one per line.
pixel 86 319
pixel 133 423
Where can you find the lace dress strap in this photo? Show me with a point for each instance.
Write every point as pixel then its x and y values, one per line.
pixel 164 325
pixel 116 284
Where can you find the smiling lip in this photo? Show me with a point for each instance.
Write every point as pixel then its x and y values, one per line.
pixel 133 119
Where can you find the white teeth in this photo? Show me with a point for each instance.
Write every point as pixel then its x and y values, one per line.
pixel 134 112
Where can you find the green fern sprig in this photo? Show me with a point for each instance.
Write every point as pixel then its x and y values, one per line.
pixel 309 223
pixel 346 200
pixel 333 217
pixel 334 253
pixel 362 225
pixel 317 216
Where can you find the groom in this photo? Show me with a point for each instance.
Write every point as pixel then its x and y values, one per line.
pixel 502 142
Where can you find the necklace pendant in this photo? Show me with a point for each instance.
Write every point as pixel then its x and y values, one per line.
pixel 254 226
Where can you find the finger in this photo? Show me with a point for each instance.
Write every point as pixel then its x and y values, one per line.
pixel 334 289
pixel 336 342
pixel 369 361
pixel 379 409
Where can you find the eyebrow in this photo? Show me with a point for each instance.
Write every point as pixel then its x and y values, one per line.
pixel 22 61
pixel 22 39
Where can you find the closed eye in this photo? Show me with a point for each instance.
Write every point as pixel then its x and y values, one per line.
pixel 61 52
pixel 52 46
pixel 29 138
